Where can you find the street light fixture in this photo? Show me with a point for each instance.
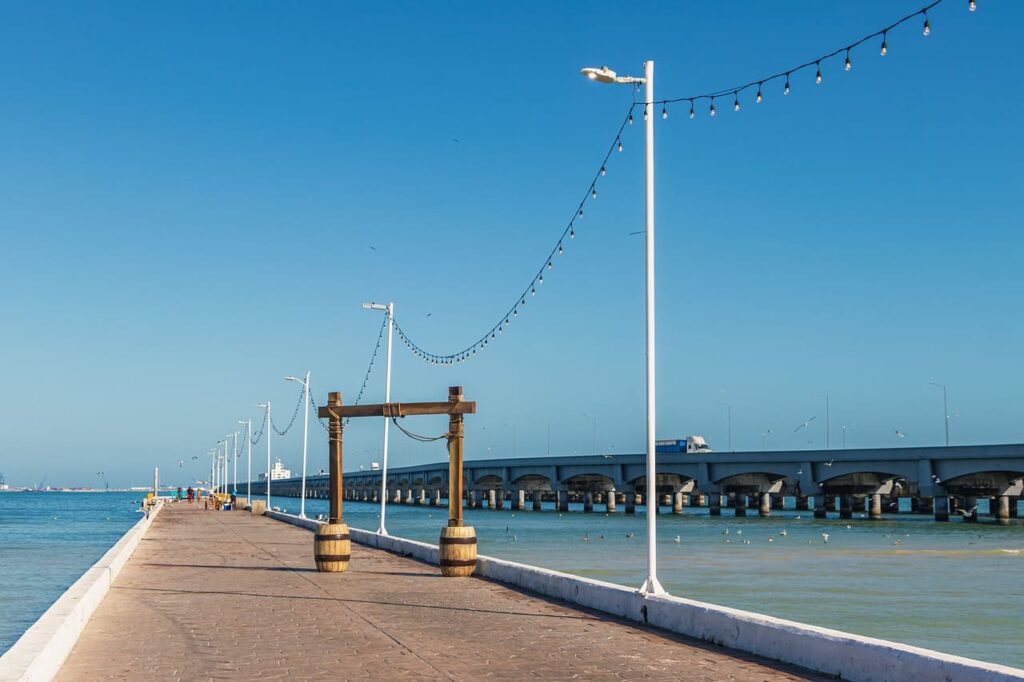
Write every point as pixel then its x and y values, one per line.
pixel 267 431
pixel 606 75
pixel 305 439
pixel 389 309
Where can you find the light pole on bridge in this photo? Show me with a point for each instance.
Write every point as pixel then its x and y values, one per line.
pixel 945 408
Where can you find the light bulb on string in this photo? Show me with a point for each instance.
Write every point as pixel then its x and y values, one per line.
pixel 593 192
pixel 550 265
pixel 692 112
pixel 817 76
pixel 603 171
pixel 759 96
pixel 848 65
pixel 630 119
pixel 533 291
pixel 506 321
pixel 645 112
pixel 885 44
pixel 620 144
pixel 972 5
pixel 515 312
pixel 736 101
pixel 561 250
pixel 581 213
pixel 501 329
pixel 927 26
pixel 664 113
pixel 785 90
pixel 712 110
pixel 572 233
pixel 540 280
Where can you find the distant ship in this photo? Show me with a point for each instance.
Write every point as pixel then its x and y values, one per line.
pixel 277 473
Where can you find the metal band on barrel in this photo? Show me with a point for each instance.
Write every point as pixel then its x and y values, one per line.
pixel 331 557
pixel 337 536
pixel 458 562
pixel 458 541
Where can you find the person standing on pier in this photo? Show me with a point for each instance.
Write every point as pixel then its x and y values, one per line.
pixel 190 493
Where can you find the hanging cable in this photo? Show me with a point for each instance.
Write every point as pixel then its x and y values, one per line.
pixel 416 436
pixel 817 63
pixel 548 263
pixel 294 415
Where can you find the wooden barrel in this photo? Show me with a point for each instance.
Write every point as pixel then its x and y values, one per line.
pixel 458 551
pixel 332 548
pixel 259 506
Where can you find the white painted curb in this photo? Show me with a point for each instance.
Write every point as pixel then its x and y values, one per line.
pixel 849 656
pixel 40 651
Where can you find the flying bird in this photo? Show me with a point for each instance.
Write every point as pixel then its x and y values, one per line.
pixel 830 462
pixel 806 423
pixel 900 434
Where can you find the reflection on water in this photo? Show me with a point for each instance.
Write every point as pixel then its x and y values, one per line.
pixel 47 541
pixel 955 587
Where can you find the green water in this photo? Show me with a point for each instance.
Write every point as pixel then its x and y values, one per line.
pixel 955 587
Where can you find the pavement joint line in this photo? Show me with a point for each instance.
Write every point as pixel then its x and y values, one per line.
pixel 348 608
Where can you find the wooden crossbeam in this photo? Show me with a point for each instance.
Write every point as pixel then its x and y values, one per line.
pixel 397 409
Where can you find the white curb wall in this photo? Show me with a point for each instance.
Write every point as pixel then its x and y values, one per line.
pixel 852 657
pixel 40 651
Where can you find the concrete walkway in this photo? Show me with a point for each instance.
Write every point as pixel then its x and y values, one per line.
pixel 226 595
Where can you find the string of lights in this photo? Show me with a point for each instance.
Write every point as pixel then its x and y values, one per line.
pixel 817 63
pixel 567 235
pixel 259 434
pixel 292 421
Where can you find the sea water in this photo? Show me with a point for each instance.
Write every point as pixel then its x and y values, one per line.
pixel 955 587
pixel 47 541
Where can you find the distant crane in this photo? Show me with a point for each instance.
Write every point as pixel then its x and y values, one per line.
pixel 106 486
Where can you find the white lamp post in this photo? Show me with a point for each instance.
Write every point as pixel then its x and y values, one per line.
pixel 606 75
pixel 390 311
pixel 268 427
pixel 234 459
pixel 248 446
pixel 305 439
pixel 213 468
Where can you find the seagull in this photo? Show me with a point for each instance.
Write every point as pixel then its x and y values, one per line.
pixel 968 512
pixel 804 424
pixel 830 462
pixel 771 538
pixel 607 456
pixel 800 473
pixel 824 536
pixel 678 539
pixel 900 434
pixel 725 532
pixel 783 532
pixel 373 248
pixel 429 314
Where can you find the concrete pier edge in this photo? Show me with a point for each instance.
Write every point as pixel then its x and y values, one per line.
pixel 40 651
pixel 849 656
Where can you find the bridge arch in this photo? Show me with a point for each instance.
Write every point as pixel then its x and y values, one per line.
pixel 532 482
pixel 489 481
pixel 589 483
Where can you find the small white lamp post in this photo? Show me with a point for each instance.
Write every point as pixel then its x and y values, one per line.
pixel 267 428
pixel 389 309
pixel 248 446
pixel 305 439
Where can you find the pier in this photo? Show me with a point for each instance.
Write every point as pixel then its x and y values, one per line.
pixel 235 595
pixel 941 481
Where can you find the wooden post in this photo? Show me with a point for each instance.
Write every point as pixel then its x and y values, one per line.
pixel 456 431
pixel 334 430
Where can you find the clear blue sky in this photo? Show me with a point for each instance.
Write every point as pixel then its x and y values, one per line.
pixel 190 192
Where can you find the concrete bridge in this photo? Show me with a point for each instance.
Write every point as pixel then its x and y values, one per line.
pixel 938 480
